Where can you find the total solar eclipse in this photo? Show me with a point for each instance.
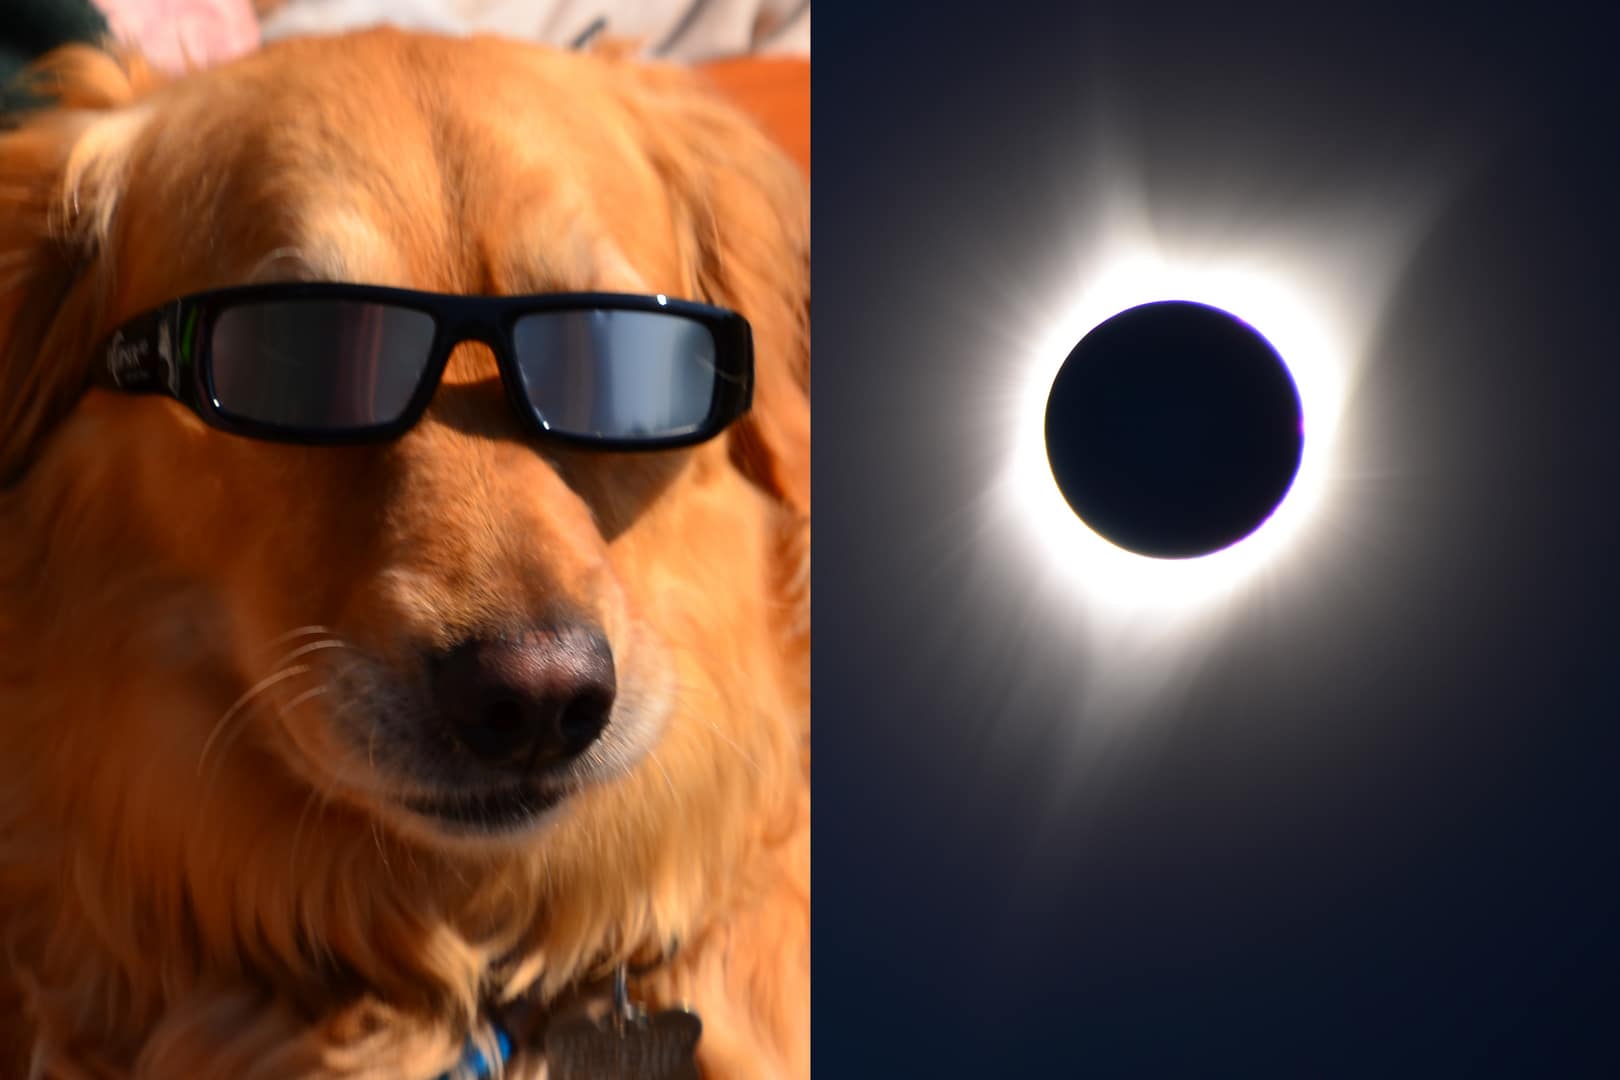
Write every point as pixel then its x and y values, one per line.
pixel 1174 429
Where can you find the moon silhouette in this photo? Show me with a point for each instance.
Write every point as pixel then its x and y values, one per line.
pixel 1174 429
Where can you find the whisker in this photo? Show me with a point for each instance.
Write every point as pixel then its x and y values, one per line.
pixel 653 754
pixel 376 836
pixel 316 791
pixel 302 631
pixel 729 741
pixel 242 702
pixel 312 692
pixel 282 673
pixel 688 692
pixel 298 831
pixel 314 646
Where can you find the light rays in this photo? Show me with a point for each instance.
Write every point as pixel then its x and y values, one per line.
pixel 1314 286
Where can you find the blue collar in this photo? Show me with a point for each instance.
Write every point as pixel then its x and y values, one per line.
pixel 488 1048
pixel 484 1056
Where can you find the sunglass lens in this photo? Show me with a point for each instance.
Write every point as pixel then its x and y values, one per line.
pixel 617 374
pixel 318 364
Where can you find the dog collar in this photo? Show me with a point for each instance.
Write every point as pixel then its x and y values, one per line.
pixel 646 1045
pixel 485 1054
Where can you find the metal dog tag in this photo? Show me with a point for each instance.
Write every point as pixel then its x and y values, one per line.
pixel 662 1046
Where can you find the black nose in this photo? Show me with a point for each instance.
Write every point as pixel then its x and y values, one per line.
pixel 533 700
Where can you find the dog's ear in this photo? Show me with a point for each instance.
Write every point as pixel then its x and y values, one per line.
pixel 746 215
pixel 61 172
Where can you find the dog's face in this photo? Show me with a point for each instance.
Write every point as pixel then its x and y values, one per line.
pixel 467 636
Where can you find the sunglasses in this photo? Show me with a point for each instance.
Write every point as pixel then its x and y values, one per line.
pixel 328 363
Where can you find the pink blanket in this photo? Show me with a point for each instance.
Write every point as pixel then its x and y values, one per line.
pixel 180 34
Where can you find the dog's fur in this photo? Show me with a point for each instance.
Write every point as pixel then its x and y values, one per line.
pixel 201 872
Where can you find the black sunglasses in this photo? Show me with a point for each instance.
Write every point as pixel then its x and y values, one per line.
pixel 330 363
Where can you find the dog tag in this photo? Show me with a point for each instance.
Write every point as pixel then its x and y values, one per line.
pixel 662 1046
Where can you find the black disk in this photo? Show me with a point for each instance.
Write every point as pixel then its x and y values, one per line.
pixel 1174 429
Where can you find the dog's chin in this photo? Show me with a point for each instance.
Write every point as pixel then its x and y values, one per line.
pixel 484 816
pixel 491 813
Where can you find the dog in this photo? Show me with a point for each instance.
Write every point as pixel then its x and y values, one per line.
pixel 251 820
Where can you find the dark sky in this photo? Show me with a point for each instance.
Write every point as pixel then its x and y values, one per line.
pixel 1372 830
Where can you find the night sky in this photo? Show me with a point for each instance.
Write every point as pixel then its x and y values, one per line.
pixel 1356 817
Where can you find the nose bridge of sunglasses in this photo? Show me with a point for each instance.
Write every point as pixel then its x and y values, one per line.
pixel 472 360
pixel 471 394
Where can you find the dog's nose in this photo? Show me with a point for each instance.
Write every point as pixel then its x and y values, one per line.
pixel 533 700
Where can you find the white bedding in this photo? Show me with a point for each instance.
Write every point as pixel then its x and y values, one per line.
pixel 677 29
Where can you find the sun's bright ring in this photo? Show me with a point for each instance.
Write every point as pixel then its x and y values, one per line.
pixel 1310 345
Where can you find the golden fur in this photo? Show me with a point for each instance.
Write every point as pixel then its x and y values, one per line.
pixel 197 880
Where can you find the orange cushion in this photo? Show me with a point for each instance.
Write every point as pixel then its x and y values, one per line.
pixel 775 91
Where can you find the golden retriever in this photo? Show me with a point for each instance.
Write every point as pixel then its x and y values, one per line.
pixel 217 720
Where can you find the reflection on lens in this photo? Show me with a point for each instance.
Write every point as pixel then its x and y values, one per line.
pixel 617 374
pixel 323 364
